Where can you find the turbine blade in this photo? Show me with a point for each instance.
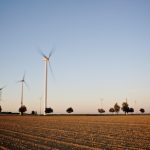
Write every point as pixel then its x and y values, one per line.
pixel 41 53
pixel 24 76
pixel 51 71
pixel 26 84
pixel 2 87
pixel 18 81
pixel 50 54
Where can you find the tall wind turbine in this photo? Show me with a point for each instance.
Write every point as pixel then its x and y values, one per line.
pixel 47 61
pixel 1 91
pixel 22 86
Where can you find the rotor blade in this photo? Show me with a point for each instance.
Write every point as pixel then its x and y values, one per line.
pixel 41 53
pixel 2 87
pixel 24 76
pixel 26 84
pixel 50 54
pixel 51 71
pixel 18 81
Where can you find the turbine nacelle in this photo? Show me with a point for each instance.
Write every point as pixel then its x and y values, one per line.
pixel 45 58
pixel 21 81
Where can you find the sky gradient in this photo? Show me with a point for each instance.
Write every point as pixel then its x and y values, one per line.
pixel 102 52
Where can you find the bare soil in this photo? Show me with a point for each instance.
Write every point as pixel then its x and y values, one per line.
pixel 75 132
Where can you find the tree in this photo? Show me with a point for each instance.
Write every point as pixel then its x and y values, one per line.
pixel 0 108
pixel 116 108
pixel 48 110
pixel 142 110
pixel 101 110
pixel 22 109
pixel 69 110
pixel 125 107
pixel 111 110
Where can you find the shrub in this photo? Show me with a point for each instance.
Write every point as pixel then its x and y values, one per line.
pixel 111 110
pixel 131 110
pixel 48 110
pixel 142 110
pixel 34 112
pixel 69 110
pixel 101 110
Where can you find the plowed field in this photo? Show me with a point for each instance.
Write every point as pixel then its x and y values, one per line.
pixel 75 132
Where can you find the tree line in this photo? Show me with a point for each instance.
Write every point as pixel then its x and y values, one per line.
pixel 125 108
pixel 116 109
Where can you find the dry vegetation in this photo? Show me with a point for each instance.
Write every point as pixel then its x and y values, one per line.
pixel 74 132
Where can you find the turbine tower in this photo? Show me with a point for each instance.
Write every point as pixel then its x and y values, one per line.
pixel 47 61
pixel 22 86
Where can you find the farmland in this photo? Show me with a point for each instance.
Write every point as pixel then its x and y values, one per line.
pixel 75 132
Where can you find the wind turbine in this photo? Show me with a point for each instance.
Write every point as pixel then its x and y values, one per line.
pixel 1 91
pixel 47 61
pixel 22 86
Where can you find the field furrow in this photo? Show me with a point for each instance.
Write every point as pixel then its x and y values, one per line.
pixel 75 132
pixel 27 141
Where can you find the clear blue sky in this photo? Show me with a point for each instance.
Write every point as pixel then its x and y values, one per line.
pixel 102 51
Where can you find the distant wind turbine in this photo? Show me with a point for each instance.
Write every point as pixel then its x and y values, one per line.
pixel 22 86
pixel 47 61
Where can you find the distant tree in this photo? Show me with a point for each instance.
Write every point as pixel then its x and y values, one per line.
pixel 101 110
pixel 48 110
pixel 125 107
pixel 0 108
pixel 22 109
pixel 131 110
pixel 69 110
pixel 142 110
pixel 111 110
pixel 117 108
